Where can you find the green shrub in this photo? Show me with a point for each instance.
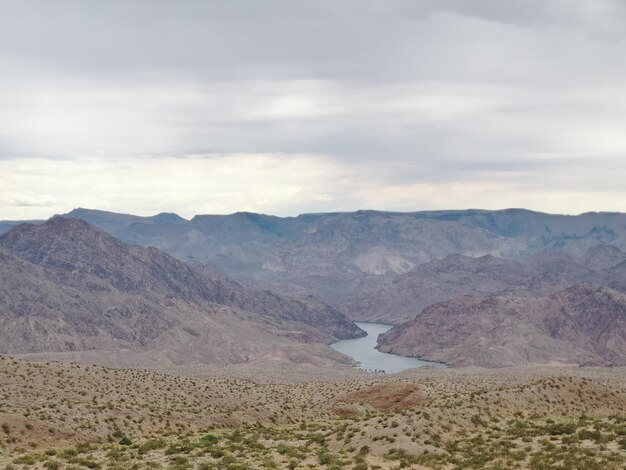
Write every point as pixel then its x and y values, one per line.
pixel 209 439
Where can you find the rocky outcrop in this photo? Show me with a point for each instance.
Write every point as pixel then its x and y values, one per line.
pixel 583 324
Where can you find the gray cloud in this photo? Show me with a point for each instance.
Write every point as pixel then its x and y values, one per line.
pixel 428 94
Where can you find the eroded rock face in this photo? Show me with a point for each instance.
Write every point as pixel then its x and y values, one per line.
pixel 402 298
pixel 68 287
pixel 382 397
pixel 583 324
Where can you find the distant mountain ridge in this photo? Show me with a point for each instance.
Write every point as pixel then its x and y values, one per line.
pixel 339 256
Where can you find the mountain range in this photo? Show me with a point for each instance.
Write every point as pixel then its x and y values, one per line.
pixel 338 256
pixel 303 277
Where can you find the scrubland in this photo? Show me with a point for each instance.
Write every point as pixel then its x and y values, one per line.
pixel 75 416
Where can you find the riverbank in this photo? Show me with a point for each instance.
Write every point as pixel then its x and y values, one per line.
pixel 363 351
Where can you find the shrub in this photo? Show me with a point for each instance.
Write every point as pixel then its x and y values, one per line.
pixel 209 439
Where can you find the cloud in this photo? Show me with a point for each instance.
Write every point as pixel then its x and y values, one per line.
pixel 429 95
pixel 190 185
pixel 287 184
pixel 21 201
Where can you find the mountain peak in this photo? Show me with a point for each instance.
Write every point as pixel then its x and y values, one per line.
pixel 81 212
pixel 67 223
pixel 54 228
pixel 168 218
pixel 72 248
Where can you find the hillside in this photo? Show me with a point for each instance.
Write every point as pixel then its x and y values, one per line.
pixel 578 325
pixel 404 296
pixel 332 255
pixel 75 416
pixel 68 288
pixel 338 256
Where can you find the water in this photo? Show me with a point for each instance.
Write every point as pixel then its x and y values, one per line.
pixel 363 350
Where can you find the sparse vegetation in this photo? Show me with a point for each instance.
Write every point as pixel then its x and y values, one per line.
pixel 95 417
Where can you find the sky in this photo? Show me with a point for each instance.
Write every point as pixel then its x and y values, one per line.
pixel 285 107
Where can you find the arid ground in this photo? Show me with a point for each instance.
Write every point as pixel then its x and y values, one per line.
pixel 73 416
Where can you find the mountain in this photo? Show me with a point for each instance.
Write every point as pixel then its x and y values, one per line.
pixel 583 324
pixel 6 225
pixel 67 286
pixel 75 253
pixel 116 224
pixel 302 308
pixel 601 257
pixel 403 297
pixel 340 257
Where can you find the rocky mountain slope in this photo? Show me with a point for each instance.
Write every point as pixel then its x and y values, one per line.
pixel 339 256
pixel 67 287
pixel 403 297
pixel 376 266
pixel 581 324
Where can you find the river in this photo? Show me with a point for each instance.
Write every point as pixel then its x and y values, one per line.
pixel 363 350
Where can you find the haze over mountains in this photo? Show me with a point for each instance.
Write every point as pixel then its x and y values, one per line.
pixel 376 266
pixel 205 334
pixel 337 255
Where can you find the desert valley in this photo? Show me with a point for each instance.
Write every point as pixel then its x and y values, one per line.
pixel 312 234
pixel 160 342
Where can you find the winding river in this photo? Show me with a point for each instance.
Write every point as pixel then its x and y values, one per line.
pixel 363 350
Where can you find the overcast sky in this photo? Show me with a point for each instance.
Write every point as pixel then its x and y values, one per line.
pixel 286 107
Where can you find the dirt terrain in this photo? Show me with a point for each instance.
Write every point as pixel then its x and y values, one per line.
pixel 59 415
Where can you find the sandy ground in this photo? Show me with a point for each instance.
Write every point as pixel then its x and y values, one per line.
pixel 422 418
